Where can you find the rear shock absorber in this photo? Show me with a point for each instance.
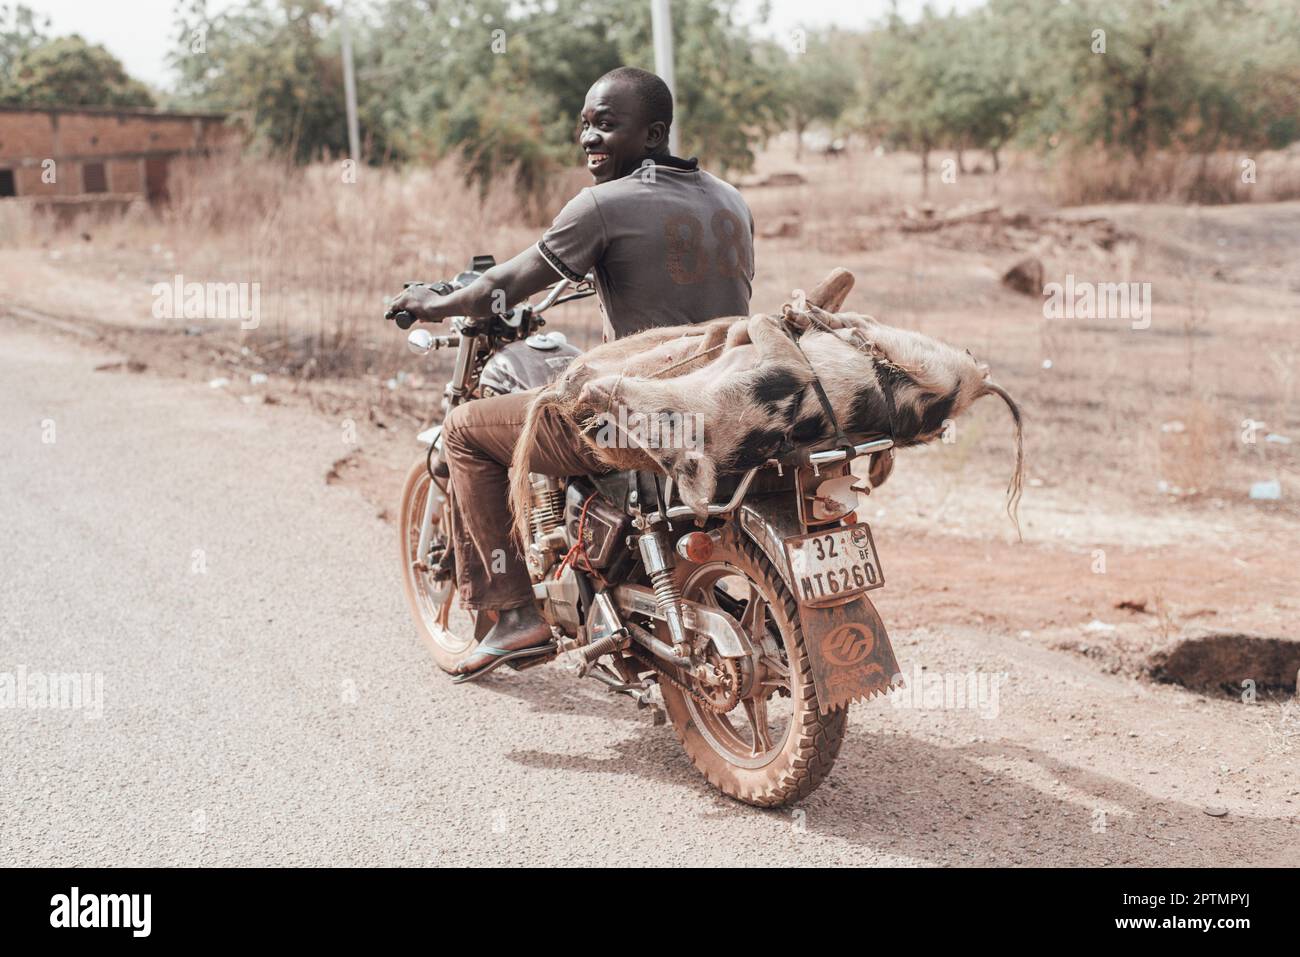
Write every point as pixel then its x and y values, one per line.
pixel 655 556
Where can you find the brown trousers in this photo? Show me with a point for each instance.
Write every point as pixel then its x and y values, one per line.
pixel 478 440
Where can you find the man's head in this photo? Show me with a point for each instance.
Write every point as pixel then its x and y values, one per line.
pixel 625 120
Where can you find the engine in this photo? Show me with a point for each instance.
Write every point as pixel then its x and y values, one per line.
pixel 546 519
pixel 602 526
pixel 558 518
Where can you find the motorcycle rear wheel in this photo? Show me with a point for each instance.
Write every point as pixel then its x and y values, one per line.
pixel 762 768
pixel 432 603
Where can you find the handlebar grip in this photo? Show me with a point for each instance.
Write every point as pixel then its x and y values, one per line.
pixel 404 320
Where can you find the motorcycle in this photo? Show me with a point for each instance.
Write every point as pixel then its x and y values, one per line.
pixel 752 625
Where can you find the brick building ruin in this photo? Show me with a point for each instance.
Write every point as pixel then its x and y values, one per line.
pixel 78 156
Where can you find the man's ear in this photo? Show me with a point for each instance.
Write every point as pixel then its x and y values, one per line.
pixel 656 135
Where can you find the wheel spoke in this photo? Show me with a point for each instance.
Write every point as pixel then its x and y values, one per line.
pixel 756 712
pixel 754 617
pixel 776 673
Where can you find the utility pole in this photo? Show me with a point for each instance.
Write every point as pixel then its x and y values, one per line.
pixel 662 29
pixel 350 88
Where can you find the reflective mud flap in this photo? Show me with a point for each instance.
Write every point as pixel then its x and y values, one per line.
pixel 848 648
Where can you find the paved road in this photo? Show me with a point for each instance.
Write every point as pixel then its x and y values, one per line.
pixel 264 698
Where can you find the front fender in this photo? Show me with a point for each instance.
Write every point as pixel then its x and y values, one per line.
pixel 848 648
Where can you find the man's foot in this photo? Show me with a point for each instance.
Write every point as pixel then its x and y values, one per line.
pixel 517 629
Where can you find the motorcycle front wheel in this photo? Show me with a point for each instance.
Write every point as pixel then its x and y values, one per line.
pixel 772 746
pixel 432 602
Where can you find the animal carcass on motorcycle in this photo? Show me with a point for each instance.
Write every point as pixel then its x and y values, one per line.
pixel 756 396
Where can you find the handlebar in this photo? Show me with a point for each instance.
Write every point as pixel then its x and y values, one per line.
pixel 404 319
pixel 516 316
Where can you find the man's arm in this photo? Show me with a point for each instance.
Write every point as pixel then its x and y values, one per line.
pixel 496 290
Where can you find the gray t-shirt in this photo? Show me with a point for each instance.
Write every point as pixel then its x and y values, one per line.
pixel 669 244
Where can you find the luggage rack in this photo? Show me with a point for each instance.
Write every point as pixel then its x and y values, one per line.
pixel 817 460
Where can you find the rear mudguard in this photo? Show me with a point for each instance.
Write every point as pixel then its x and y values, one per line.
pixel 848 649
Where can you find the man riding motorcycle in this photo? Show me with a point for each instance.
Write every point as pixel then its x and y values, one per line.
pixel 668 244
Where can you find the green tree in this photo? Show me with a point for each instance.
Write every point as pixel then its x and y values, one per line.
pixel 277 64
pixel 818 84
pixel 498 82
pixel 1129 76
pixel 1140 75
pixel 728 85
pixel 1246 87
pixel 20 30
pixel 907 83
pixel 503 82
pixel 988 90
pixel 68 71
pixel 470 79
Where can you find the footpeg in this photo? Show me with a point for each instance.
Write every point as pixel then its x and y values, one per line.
pixel 607 632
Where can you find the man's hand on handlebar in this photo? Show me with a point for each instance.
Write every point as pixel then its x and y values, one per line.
pixel 504 284
pixel 419 302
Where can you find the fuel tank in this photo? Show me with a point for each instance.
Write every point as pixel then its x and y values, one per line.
pixel 519 366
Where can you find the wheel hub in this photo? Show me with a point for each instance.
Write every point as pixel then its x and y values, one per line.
pixel 723 692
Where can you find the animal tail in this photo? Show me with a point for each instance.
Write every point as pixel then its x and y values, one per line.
pixel 521 490
pixel 1018 478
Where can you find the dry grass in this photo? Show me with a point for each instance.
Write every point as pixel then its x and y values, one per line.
pixel 327 251
pixel 870 182
pixel 324 251
pixel 1195 449
pixel 1269 176
pixel 863 184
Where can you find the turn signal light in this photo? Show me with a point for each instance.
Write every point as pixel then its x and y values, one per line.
pixel 695 547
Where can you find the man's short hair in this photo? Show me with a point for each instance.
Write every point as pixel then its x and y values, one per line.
pixel 652 93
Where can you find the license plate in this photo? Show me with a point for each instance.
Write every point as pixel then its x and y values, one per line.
pixel 831 566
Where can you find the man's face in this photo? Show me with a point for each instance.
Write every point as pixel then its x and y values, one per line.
pixel 615 135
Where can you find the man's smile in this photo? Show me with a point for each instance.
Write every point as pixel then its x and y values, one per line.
pixel 596 160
